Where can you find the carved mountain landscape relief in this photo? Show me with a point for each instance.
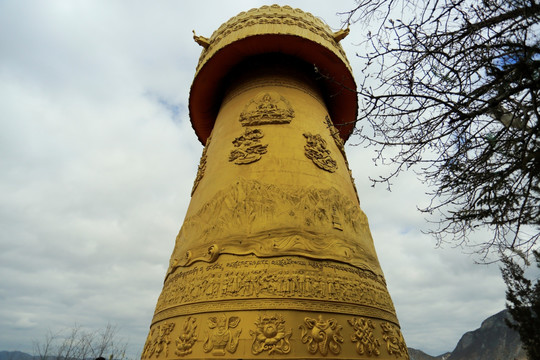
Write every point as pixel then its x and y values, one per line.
pixel 251 217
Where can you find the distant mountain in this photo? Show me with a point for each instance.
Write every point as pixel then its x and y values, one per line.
pixel 15 355
pixel 416 354
pixel 494 340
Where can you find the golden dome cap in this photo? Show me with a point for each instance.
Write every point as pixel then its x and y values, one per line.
pixel 273 29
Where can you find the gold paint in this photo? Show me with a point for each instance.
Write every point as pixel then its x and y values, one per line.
pixel 202 166
pixel 188 337
pixel 274 237
pixel 271 336
pixel 158 341
pixel 341 34
pixel 395 344
pixel 318 153
pixel 341 146
pixel 221 336
pixel 322 336
pixel 363 337
pixel 201 40
pixel 267 108
pixel 272 19
pixel 248 147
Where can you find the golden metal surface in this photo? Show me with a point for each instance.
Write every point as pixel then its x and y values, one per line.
pixel 275 258
pixel 273 29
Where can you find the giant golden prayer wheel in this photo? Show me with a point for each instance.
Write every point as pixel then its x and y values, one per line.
pixel 275 258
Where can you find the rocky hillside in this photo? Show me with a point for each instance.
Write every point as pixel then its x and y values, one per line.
pixel 492 341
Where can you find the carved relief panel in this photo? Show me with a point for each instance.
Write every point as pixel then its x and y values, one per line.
pixel 222 335
pixel 270 336
pixel 267 108
pixel 365 341
pixel 316 151
pixel 322 335
pixel 248 147
pixel 202 166
pixel 395 344
pixel 188 337
pixel 158 341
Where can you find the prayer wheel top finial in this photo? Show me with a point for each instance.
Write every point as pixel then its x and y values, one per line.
pixel 265 30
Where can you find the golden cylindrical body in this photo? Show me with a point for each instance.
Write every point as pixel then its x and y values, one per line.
pixel 275 258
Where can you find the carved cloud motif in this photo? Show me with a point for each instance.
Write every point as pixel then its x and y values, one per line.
pixel 317 152
pixel 248 147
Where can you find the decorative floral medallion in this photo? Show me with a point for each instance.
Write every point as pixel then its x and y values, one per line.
pixel 221 336
pixel 322 336
pixel 366 344
pixel 186 340
pixel 248 147
pixel 316 151
pixel 270 336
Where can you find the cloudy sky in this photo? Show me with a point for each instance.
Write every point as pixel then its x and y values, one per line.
pixel 97 160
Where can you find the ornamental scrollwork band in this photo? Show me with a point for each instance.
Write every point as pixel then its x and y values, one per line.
pixel 272 337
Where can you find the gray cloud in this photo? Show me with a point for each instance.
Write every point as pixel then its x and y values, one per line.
pixel 98 160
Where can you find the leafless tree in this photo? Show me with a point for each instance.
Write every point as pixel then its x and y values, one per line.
pixel 78 344
pixel 451 89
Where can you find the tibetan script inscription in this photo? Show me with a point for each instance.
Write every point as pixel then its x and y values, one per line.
pixel 317 152
pixel 248 147
pixel 267 108
pixel 274 278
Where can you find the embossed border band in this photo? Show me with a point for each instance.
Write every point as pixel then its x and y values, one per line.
pixel 282 304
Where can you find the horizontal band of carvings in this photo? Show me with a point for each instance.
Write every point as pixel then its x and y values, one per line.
pixel 272 304
pixel 286 16
pixel 317 223
pixel 239 279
